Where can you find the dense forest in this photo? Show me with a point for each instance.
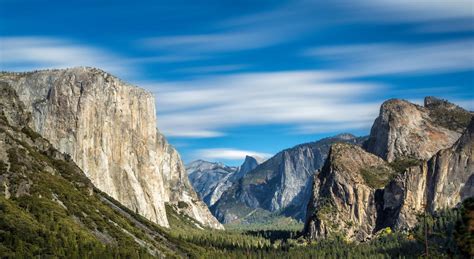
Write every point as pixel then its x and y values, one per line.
pixel 446 234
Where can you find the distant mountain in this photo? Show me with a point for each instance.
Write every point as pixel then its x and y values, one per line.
pixel 210 180
pixel 418 158
pixel 280 185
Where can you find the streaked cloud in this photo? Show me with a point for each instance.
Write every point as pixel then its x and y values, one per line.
pixel 212 69
pixel 374 59
pixel 227 154
pixel 206 107
pixel 218 42
pixel 27 53
pixel 419 10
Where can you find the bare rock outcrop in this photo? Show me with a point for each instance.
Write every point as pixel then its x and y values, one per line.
pixel 343 198
pixel 181 192
pixel 406 130
pixel 108 128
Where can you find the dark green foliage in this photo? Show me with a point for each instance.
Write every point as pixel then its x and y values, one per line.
pixel 449 116
pixel 440 229
pixel 30 133
pixel 464 229
pixel 400 165
pixel 236 243
pixel 182 205
pixel 377 176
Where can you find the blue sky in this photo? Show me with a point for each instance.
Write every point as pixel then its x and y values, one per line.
pixel 254 77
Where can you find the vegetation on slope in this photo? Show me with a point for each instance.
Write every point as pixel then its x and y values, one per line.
pixel 447 114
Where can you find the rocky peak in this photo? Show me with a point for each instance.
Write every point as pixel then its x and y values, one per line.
pixel 345 136
pixel 248 165
pixel 403 130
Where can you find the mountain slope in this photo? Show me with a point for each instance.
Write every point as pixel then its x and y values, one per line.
pixel 48 207
pixel 282 184
pixel 109 129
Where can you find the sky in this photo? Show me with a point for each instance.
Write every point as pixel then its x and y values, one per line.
pixel 236 78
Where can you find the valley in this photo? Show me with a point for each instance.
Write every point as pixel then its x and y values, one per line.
pixel 85 173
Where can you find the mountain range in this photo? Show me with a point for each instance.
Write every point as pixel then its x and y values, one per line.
pixel 408 161
pixel 281 185
pixel 84 172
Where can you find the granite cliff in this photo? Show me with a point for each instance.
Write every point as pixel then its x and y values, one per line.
pixel 343 200
pixel 408 130
pixel 425 161
pixel 442 182
pixel 210 180
pixel 108 128
pixel 49 207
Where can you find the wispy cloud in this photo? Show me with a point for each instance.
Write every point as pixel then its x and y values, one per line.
pixel 26 53
pixel 212 69
pixel 218 42
pixel 296 98
pixel 392 58
pixel 227 154
pixel 419 10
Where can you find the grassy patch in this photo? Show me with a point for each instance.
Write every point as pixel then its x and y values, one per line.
pixel 400 165
pixel 377 176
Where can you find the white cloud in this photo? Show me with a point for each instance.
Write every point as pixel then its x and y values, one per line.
pixel 206 107
pixel 212 69
pixel 212 43
pixel 416 10
pixel 26 53
pixel 227 154
pixel 388 59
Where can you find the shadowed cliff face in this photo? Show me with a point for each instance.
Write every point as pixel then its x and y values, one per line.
pixel 109 129
pixel 428 162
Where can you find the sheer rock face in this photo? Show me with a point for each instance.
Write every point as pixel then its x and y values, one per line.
pixel 180 189
pixel 404 129
pixel 210 179
pixel 282 183
pixel 441 182
pixel 109 129
pixel 248 165
pixel 343 202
